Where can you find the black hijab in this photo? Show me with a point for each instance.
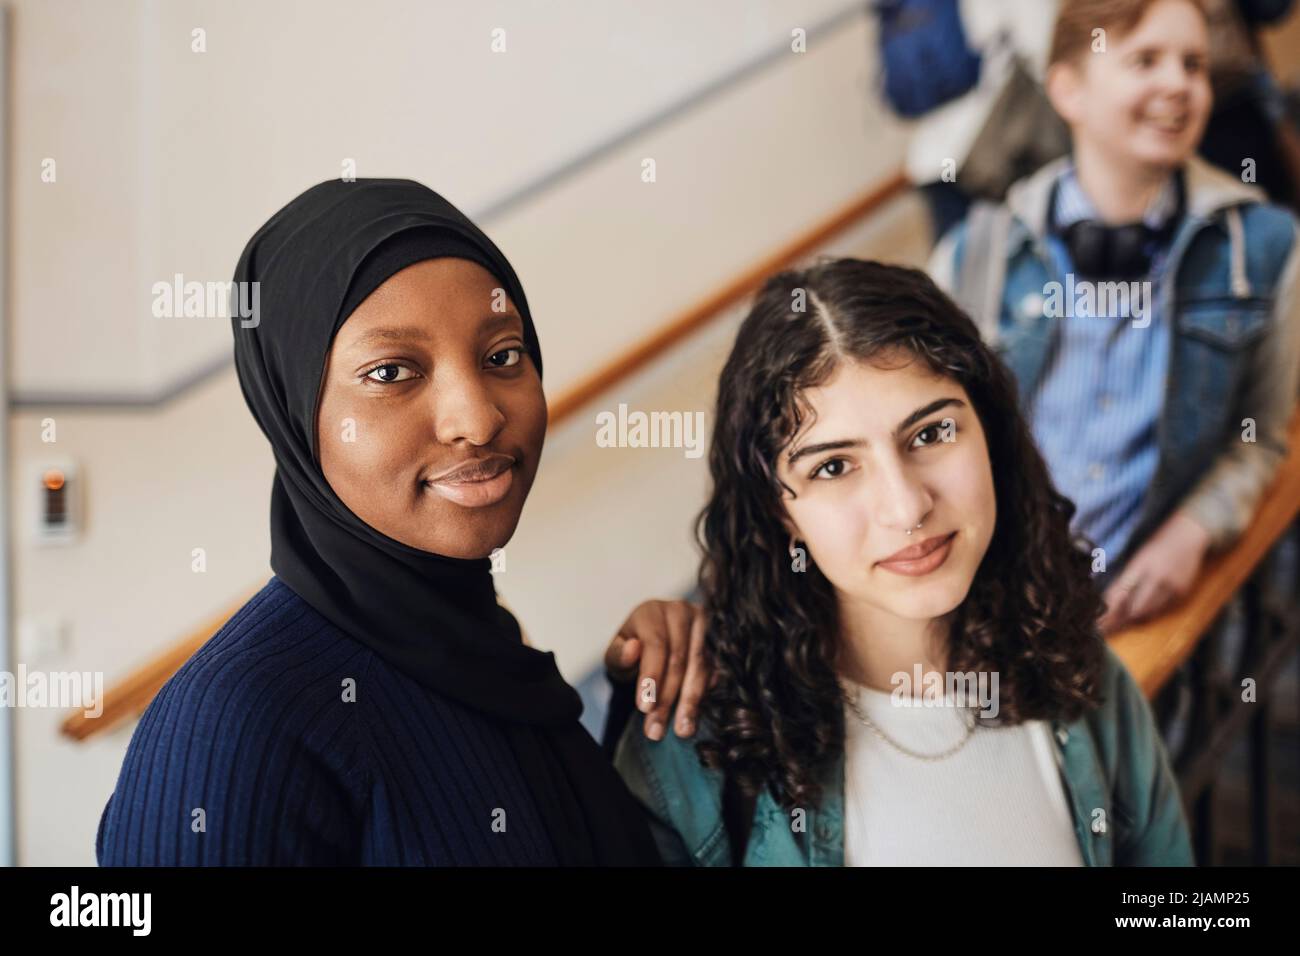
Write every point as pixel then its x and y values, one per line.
pixel 434 617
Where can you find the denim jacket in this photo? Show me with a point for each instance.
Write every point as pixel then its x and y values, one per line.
pixel 1122 794
pixel 1230 285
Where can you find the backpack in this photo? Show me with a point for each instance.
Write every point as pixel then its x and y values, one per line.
pixel 924 55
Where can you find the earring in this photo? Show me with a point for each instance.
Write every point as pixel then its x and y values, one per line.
pixel 909 530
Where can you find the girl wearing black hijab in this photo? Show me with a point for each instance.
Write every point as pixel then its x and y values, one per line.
pixel 373 703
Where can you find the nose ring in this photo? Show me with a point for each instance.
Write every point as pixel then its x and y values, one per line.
pixel 909 530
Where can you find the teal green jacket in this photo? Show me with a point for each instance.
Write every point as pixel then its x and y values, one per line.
pixel 1123 796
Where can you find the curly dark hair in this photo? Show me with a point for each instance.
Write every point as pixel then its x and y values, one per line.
pixel 775 715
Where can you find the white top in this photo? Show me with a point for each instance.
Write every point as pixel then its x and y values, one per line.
pixel 998 801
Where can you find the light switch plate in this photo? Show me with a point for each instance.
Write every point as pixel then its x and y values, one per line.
pixel 39 487
pixel 41 639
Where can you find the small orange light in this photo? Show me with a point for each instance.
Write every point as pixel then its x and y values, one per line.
pixel 53 479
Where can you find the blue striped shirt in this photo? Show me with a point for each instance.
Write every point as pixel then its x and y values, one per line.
pixel 1097 408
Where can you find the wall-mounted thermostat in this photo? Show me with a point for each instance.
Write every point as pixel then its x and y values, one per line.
pixel 57 492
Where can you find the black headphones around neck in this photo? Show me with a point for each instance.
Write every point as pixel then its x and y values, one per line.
pixel 1124 251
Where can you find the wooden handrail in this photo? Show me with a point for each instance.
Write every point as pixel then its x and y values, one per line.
pixel 128 699
pixel 1152 651
pixel 713 305
pixel 1155 649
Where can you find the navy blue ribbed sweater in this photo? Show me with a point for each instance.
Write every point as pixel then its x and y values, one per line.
pixel 252 754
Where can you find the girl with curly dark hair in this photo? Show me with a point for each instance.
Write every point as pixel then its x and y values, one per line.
pixel 902 631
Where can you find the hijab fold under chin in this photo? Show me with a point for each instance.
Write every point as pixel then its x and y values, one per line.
pixel 434 617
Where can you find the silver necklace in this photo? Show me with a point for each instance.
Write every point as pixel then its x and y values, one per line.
pixel 968 717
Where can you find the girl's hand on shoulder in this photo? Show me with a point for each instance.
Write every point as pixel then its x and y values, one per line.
pixel 661 647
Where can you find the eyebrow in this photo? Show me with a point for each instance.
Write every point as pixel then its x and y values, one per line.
pixel 1199 52
pixel 901 427
pixel 395 333
pixel 418 333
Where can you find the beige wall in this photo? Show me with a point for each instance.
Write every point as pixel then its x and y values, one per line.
pixel 168 159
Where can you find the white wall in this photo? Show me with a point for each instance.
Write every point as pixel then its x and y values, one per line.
pixel 167 161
